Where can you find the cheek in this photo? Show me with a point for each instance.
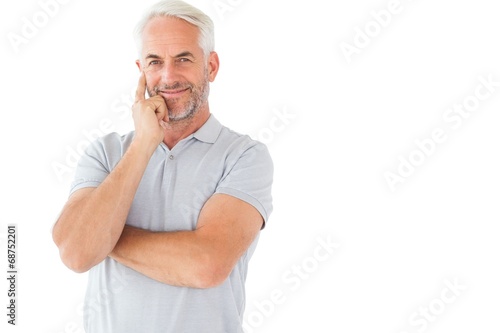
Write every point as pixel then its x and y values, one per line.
pixel 150 76
pixel 152 79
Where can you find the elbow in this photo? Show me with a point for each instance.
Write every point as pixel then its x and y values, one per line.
pixel 71 255
pixel 211 273
pixel 207 280
pixel 68 259
pixel 72 258
pixel 75 261
pixel 77 266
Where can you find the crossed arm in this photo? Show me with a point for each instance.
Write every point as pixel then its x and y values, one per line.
pixel 202 258
pixel 92 227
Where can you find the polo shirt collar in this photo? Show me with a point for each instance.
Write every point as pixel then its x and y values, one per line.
pixel 210 130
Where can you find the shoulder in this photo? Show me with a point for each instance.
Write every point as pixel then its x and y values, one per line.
pixel 109 149
pixel 248 172
pixel 242 144
pixel 112 142
pixel 244 155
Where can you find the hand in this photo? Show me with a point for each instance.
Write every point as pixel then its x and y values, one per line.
pixel 150 116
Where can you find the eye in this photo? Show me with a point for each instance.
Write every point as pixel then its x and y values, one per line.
pixel 154 62
pixel 184 60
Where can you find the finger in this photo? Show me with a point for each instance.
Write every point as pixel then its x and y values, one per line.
pixel 140 93
pixel 160 107
pixel 163 124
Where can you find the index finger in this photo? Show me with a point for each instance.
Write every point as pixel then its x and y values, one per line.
pixel 140 93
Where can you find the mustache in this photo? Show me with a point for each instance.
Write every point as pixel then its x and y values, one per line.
pixel 175 86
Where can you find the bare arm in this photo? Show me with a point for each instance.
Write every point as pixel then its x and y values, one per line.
pixel 93 219
pixel 202 258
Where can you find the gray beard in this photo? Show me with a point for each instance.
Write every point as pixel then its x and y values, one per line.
pixel 178 112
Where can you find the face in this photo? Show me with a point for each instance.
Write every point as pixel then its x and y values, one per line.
pixel 176 67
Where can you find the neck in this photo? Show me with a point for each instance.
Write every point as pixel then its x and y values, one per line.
pixel 177 130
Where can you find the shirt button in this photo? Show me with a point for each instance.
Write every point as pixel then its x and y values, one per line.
pixel 171 157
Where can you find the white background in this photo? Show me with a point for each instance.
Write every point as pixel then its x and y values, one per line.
pixel 349 122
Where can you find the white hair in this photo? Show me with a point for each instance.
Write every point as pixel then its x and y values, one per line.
pixel 184 11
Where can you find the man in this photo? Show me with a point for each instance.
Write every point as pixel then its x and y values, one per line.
pixel 166 218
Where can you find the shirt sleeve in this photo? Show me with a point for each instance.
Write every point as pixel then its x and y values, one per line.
pixel 93 166
pixel 250 179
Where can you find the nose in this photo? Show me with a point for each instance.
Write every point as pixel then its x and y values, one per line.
pixel 169 73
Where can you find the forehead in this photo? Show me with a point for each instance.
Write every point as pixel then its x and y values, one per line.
pixel 170 34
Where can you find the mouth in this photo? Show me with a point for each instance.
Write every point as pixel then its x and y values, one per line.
pixel 170 94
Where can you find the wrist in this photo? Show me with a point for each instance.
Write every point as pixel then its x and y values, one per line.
pixel 145 144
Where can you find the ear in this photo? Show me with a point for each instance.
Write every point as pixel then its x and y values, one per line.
pixel 138 63
pixel 213 66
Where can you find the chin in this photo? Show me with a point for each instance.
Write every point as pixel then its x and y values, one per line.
pixel 181 115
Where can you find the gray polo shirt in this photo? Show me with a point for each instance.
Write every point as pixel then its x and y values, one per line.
pixel 174 188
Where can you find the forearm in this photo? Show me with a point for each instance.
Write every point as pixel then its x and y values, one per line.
pixel 89 227
pixel 176 258
pixel 202 258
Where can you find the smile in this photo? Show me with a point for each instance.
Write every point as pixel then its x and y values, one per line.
pixel 172 93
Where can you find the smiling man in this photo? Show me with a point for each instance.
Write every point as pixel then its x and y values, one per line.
pixel 167 217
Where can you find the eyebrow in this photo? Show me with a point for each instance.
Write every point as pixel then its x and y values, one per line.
pixel 180 55
pixel 153 56
pixel 184 54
